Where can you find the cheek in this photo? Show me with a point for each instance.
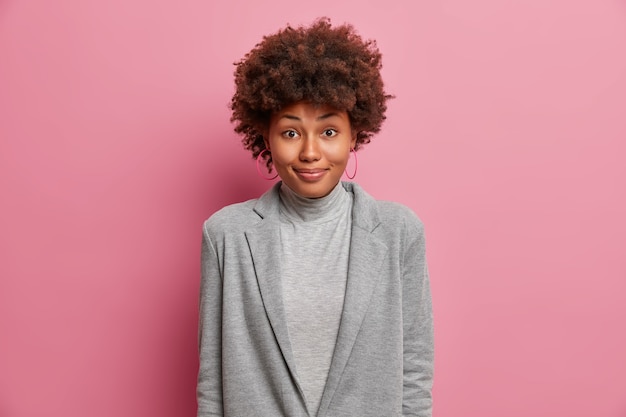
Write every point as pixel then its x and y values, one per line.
pixel 339 154
pixel 282 155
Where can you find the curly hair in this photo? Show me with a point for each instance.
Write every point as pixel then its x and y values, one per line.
pixel 318 64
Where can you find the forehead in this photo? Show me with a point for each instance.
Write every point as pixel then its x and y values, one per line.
pixel 305 110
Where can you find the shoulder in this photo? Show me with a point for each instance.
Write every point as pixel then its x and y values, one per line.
pixel 399 220
pixel 230 217
pixel 391 210
pixel 238 217
pixel 390 214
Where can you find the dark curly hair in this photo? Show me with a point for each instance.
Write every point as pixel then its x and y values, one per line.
pixel 320 64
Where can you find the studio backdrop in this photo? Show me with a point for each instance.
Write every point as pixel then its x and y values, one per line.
pixel 506 135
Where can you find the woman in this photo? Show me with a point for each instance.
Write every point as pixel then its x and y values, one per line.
pixel 315 298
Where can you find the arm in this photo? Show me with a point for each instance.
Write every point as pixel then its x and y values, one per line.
pixel 209 388
pixel 417 326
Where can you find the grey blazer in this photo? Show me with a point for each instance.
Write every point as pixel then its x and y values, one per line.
pixel 383 359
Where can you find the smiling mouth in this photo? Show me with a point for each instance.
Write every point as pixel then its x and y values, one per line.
pixel 311 174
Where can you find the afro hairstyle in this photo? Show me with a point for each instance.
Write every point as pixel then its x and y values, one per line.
pixel 319 64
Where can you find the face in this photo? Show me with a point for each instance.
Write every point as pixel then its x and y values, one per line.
pixel 310 147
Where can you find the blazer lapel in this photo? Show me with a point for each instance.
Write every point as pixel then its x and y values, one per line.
pixel 264 241
pixel 367 253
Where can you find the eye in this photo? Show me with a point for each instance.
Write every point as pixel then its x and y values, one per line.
pixel 329 133
pixel 290 134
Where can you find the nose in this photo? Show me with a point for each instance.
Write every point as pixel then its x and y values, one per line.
pixel 310 150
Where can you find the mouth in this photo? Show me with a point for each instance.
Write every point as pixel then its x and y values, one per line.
pixel 310 174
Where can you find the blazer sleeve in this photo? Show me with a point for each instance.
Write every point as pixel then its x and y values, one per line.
pixel 417 319
pixel 209 387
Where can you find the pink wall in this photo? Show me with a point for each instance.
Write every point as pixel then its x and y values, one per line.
pixel 507 136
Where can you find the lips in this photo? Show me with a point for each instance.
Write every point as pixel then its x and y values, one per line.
pixel 310 174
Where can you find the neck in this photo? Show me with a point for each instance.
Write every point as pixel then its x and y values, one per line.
pixel 296 207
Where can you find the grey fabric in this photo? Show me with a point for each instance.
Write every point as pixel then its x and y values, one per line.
pixel 314 245
pixel 382 364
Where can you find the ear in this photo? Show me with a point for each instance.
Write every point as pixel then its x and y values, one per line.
pixel 353 140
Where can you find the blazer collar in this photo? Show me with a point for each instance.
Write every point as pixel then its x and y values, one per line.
pixel 263 239
pixel 364 213
pixel 367 252
pixel 267 205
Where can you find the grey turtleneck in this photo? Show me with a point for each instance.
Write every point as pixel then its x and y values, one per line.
pixel 315 242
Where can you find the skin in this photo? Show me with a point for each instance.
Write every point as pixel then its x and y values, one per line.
pixel 310 147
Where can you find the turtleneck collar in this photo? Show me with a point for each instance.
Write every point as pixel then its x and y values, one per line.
pixel 302 209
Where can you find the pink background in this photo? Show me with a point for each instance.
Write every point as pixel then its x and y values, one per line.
pixel 507 137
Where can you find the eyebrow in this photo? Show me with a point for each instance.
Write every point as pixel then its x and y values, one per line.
pixel 322 117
